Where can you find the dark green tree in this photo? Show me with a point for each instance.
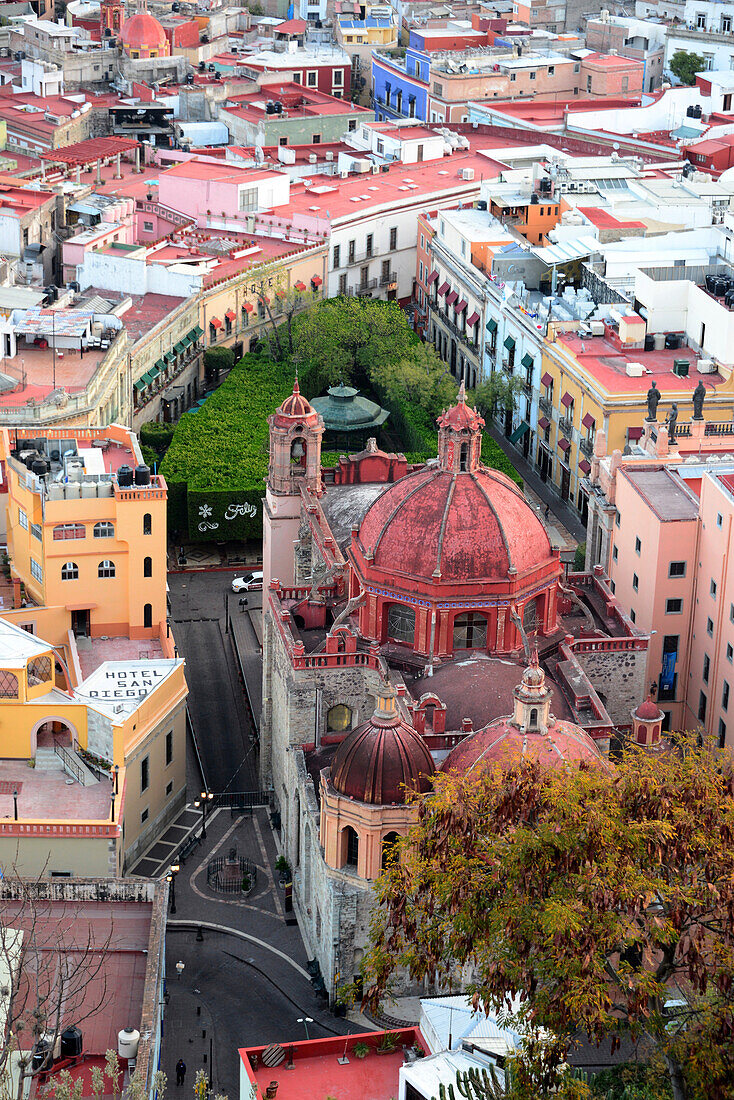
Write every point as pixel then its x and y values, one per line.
pixel 685 65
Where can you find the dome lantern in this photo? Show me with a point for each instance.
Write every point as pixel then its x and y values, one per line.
pixel 460 436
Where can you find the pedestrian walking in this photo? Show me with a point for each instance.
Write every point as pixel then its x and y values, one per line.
pixel 180 1071
pixel 547 510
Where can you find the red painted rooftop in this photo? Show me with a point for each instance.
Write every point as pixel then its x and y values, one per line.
pixel 291 26
pixel 602 219
pixel 505 744
pixel 608 365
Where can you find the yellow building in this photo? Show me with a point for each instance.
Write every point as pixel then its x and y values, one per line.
pixel 601 382
pixel 86 528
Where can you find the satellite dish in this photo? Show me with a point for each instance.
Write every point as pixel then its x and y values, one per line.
pixel 616 145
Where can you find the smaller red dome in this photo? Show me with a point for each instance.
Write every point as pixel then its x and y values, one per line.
pixel 383 759
pixel 143 32
pixel 501 742
pixel 460 416
pixel 295 407
pixel 648 711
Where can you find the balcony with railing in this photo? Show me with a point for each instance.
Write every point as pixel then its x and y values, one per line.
pixel 546 405
pixel 587 446
pixel 453 328
pixel 566 426
pixel 389 279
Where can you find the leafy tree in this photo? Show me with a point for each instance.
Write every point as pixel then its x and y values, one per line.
pixel 685 65
pixel 420 378
pixel 218 359
pixel 598 896
pixel 498 391
pixel 281 306
pixel 348 339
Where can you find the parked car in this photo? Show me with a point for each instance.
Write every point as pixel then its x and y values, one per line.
pixel 250 582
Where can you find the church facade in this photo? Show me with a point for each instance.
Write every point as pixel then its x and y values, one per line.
pixel 402 606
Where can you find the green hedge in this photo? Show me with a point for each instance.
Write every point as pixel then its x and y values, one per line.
pixel 217 461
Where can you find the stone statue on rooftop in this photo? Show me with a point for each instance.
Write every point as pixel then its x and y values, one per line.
pixel 699 396
pixel 671 421
pixel 653 400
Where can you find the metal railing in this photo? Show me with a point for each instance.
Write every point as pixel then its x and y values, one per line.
pixel 388 279
pixel 70 764
pixel 226 874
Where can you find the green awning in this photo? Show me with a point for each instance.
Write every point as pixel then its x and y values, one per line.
pixel 187 339
pixel 140 384
pixel 527 360
pixel 197 333
pixel 169 356
pixel 491 325
pixel 179 348
pixel 509 342
pixel 148 377
pixel 519 432
pixel 160 365
pixel 154 371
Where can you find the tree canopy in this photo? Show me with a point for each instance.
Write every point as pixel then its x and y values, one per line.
pixel 603 899
pixel 498 391
pixel 685 65
pixel 420 378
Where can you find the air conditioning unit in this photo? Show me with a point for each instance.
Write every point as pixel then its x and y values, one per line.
pixel 681 367
pixel 635 370
pixel 375 169
pixel 706 366
pixel 597 328
pixel 344 174
pixel 467 173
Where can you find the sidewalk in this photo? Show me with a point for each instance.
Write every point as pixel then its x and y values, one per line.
pixel 245 631
pixel 563 515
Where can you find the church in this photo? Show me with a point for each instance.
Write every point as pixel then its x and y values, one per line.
pixel 415 617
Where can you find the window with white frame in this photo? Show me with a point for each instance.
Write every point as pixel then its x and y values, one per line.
pixel 36 571
pixel 23 519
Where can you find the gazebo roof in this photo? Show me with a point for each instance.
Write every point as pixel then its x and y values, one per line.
pixel 344 410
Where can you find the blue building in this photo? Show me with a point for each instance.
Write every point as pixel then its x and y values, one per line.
pixel 400 85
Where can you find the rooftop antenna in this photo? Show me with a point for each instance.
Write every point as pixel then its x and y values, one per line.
pixel 344 1061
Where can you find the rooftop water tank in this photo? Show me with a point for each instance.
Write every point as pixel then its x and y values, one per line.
pixel 71 1042
pixel 124 476
pixel 142 475
pixel 127 1042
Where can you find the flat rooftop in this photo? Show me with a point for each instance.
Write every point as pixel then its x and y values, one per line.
pixel 93 652
pixel 663 492
pixel 36 375
pixel 144 313
pixel 607 364
pixel 50 795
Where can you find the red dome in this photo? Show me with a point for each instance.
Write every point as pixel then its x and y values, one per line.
pixel 454 527
pixel 295 407
pixel 501 742
pixel 378 760
pixel 143 32
pixel 648 711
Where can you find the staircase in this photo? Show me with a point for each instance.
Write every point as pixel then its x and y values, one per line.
pixel 62 758
pixel 47 760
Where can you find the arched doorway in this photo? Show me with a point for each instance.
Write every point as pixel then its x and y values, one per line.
pixel 51 730
pixel 388 848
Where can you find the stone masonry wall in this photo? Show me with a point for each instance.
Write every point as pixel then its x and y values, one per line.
pixel 619 677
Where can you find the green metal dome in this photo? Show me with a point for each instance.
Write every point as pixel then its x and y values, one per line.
pixel 343 410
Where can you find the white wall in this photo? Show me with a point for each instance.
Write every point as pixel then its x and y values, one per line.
pixel 135 276
pixel 10 234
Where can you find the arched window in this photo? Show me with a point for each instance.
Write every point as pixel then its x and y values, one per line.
pixel 148 615
pixel 530 616
pixel 338 718
pixel 470 631
pixel 533 719
pixel 350 839
pixel 147 523
pixel 8 685
pixel 464 457
pixel 106 568
pixel 104 530
pixel 388 848
pixel 40 671
pixel 401 623
pixel 147 567
pixel 70 571
pixel 298 454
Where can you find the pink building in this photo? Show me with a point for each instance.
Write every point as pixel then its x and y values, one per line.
pixel 204 189
pixel 660 528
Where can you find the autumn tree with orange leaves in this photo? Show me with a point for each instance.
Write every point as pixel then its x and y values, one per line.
pixel 598 897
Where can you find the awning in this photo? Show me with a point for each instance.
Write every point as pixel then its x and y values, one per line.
pixel 443 288
pixel 187 340
pixel 248 307
pixel 567 400
pixel 588 421
pixel 300 287
pixel 547 379
pixel 169 356
pixel 154 371
pixel 148 377
pixel 543 422
pixel 432 278
pixel 509 342
pixel 527 360
pixel 519 432
pixel 491 325
pixel 634 433
pixel 197 333
pixel 263 298
pixel 451 298
pixel 584 466
pixel 316 280
pixel 140 384
pixel 564 445
pixel 161 365
pixel 215 322
pixel 461 306
pixel 472 320
pixel 231 315
pixel 179 348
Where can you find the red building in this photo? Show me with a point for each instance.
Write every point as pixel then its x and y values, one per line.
pixel 327 70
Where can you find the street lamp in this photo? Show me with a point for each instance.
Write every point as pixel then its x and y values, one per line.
pixel 117 774
pixel 203 801
pixel 113 804
pixel 305 1020
pixel 15 804
pixel 171 877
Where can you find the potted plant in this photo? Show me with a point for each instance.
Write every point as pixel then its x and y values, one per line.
pixel 340 1009
pixel 283 867
pixel 246 884
pixel 387 1043
pixel 360 1050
